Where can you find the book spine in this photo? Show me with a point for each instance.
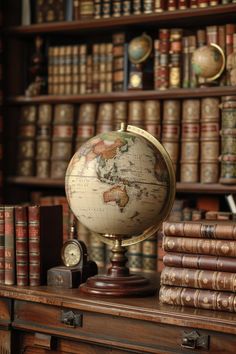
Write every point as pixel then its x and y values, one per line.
pixel 102 68
pixel 118 61
pixel 159 5
pixel 193 4
pixel 175 58
pixel 182 4
pixel 117 8
pixel 137 7
pixel 75 70
pixel 2 245
pixel 109 66
pixel 203 3
pixel 198 278
pixel 229 31
pixel 86 9
pixel 152 117
pixel 190 141
pixel 186 63
pixel 106 8
pixel 97 9
pixel 192 41
pixel 203 299
pixel 171 5
pixel 149 254
pixel 76 10
pixel 21 227
pixel 127 8
pixel 83 60
pixel 225 231
pixel 223 248
pixel 148 6
pixel 162 70
pixel 34 245
pixel 221 264
pixel 134 255
pixel 9 216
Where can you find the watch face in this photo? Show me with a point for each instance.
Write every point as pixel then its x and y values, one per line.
pixel 71 254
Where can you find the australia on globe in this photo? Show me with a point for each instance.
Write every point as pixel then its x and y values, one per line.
pixel 118 183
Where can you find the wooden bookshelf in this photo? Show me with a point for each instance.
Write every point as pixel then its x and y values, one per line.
pixel 125 96
pixel 195 188
pixel 188 17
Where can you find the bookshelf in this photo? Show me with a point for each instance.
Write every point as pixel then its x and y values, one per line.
pixel 20 39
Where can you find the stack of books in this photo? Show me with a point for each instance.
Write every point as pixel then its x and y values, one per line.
pixel 200 265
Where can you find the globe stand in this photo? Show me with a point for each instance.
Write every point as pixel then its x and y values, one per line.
pixel 118 281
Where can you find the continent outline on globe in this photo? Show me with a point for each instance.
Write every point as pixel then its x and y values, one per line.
pixel 132 204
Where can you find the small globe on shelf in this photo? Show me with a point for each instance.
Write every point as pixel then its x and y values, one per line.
pixel 121 186
pixel 140 48
pixel 208 62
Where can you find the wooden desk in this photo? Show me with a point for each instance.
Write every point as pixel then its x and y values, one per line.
pixel 44 320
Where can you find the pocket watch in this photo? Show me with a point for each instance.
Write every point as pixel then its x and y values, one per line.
pixel 74 253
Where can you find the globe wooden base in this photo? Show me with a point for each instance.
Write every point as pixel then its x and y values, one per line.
pixel 131 285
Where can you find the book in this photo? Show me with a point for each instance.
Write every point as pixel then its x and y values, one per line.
pixel 199 279
pixel 45 241
pixel 51 11
pixel 223 248
pixel 202 229
pixel 21 240
pixel 198 298
pixel 199 261
pixel 2 245
pixel 9 217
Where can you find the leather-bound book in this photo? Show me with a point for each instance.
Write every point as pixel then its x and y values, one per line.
pixel 109 66
pixel 43 140
pixel 2 245
pixel 106 8
pixel 102 68
pixel 182 4
pixel 199 261
pixel 203 229
pixel 85 127
pixel 95 72
pixel 198 298
pixel 211 247
pixel 186 63
pixel 149 254
pixel 134 255
pixel 193 4
pixel 175 54
pixel 212 34
pixel 76 10
pixel 190 143
pixel 192 42
pixel 89 74
pixel 116 8
pixel 119 114
pixel 26 141
pixel 159 5
pixel 86 9
pixel 229 31
pixel 119 63
pixel 210 140
pixel 203 3
pixel 21 231
pixel 214 2
pixel 198 278
pixel 50 11
pixel 62 135
pixel 162 70
pixel 148 6
pixel 75 70
pixel 104 121
pixel 97 9
pixel 126 7
pixel 152 117
pixel 10 270
pixel 45 241
pixel 137 7
pixel 136 113
pixel 171 5
pixel 222 44
pixel 83 61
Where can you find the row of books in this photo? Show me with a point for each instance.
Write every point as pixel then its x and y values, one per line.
pixel 28 234
pixel 105 67
pixel 200 267
pixel 67 10
pixel 1 106
pixel 195 133
pixel 146 256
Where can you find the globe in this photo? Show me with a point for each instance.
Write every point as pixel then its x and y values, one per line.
pixel 140 48
pixel 121 186
pixel 208 61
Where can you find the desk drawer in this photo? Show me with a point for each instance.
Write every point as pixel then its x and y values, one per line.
pixel 115 331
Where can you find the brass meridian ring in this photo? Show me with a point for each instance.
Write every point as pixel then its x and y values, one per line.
pixel 209 79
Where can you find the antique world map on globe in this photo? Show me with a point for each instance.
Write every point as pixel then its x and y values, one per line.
pixel 118 183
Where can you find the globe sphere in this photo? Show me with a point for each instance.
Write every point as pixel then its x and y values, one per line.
pixel 120 183
pixel 140 48
pixel 208 61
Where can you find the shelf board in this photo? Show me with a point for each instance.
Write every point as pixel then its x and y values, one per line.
pixel 197 188
pixel 125 95
pixel 188 16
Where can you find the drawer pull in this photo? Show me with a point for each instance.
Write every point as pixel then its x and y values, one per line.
pixel 193 340
pixel 71 319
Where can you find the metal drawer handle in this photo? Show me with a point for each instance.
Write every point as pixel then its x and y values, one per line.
pixel 193 340
pixel 71 319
